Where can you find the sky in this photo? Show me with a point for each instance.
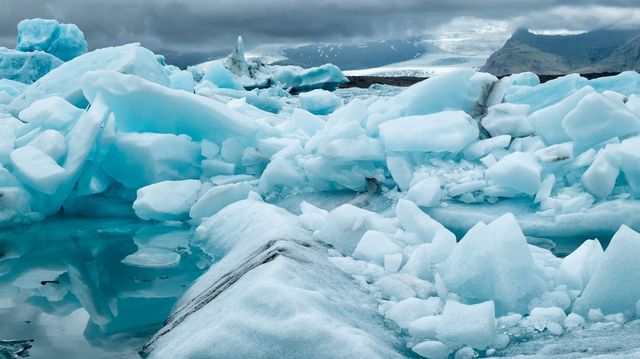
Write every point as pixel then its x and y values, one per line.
pixel 210 26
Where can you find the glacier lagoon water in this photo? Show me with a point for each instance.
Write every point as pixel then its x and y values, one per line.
pixel 83 287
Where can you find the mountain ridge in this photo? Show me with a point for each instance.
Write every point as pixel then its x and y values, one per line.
pixel 591 52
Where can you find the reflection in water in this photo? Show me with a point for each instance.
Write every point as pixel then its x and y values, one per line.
pixel 92 287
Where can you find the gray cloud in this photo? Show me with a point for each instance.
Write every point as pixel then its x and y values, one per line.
pixel 207 26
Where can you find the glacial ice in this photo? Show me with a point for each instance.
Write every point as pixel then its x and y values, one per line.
pixel 384 186
pixel 614 286
pixel 319 102
pixel 63 80
pixel 273 286
pixel 236 72
pixel 26 67
pixel 167 200
pixel 472 325
pixel 507 278
pixel 452 131
pixel 64 41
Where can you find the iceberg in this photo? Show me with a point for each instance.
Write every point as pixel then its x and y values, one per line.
pixel 449 131
pixel 319 102
pixel 321 312
pixel 64 41
pixel 236 72
pixel 167 200
pixel 63 80
pixel 605 290
pixel 507 278
pixel 597 118
pixel 140 105
pixel 26 67
pixel 156 157
pixel 463 90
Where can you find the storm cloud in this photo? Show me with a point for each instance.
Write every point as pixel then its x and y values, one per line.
pixel 207 26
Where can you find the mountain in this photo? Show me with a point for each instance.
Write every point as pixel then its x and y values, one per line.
pixel 590 52
pixel 357 56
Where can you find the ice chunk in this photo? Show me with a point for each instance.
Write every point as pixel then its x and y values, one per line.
pixel 519 171
pixel 354 149
pixel 37 169
pixel 209 149
pixel 548 93
pixel 64 81
pixel 555 153
pixel 456 90
pixel 551 314
pixel 432 349
pixel 507 119
pixel 25 67
pixel 615 96
pixel 472 325
pixel 426 193
pixel 327 76
pixel 392 262
pixel 218 197
pixel 576 269
pixel 156 157
pixel 615 284
pixel 626 83
pixel 167 200
pixel 633 104
pixel 231 150
pixel 600 178
pixel 80 140
pixel 345 226
pixel 51 112
pixel 425 327
pixel 182 80
pixel 11 88
pixel 307 121
pixel 414 220
pixel 52 143
pixel 573 321
pixel 143 106
pixel 273 295
pixel 423 258
pixel 627 157
pixel 319 102
pixel 281 173
pixel 151 257
pixel 597 118
pixel 374 246
pixel 218 75
pixel 547 121
pixel 482 148
pixel 449 131
pixel 217 167
pixel 413 308
pixel 401 170
pixel 493 262
pixel 312 217
pixel 64 41
pixel 525 79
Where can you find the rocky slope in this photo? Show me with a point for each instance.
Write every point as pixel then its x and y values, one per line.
pixel 591 52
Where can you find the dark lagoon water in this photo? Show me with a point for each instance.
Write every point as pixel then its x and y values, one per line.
pixel 92 288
